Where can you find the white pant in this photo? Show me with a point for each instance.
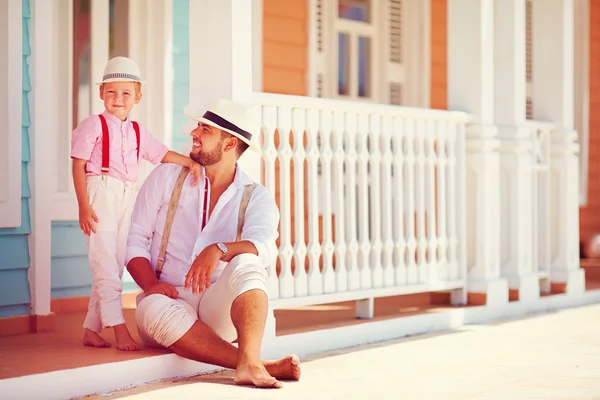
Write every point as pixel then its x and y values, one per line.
pixel 112 201
pixel 163 321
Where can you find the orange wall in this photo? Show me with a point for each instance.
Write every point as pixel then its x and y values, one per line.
pixel 285 49
pixel 285 46
pixel 439 55
pixel 590 214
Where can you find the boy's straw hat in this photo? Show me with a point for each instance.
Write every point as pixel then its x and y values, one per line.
pixel 121 69
pixel 231 117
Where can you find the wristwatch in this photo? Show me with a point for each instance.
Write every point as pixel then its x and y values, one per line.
pixel 223 248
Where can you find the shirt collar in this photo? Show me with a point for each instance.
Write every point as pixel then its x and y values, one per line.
pixel 112 118
pixel 240 178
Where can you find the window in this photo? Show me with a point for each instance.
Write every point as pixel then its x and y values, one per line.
pixel 366 50
pixel 11 52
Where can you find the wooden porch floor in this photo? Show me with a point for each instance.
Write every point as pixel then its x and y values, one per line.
pixel 61 349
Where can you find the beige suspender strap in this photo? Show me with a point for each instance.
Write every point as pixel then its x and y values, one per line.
pixel 169 221
pixel 243 204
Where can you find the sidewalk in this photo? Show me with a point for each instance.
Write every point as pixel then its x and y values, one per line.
pixel 549 356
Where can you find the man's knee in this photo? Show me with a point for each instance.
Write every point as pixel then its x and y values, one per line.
pixel 164 319
pixel 247 273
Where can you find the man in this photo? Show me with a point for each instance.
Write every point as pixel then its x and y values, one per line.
pixel 207 289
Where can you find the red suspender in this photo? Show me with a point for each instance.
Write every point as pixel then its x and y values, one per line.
pixel 105 145
pixel 136 128
pixel 106 142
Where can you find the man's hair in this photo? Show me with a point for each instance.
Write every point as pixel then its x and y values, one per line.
pixel 241 146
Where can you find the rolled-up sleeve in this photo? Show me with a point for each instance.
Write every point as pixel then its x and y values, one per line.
pixel 260 225
pixel 152 149
pixel 145 214
pixel 85 137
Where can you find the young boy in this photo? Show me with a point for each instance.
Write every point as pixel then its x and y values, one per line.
pixel 106 150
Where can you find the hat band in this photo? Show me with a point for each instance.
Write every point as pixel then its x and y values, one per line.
pixel 121 75
pixel 226 124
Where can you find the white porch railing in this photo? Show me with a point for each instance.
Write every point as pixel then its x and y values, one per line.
pixel 541 139
pixel 371 199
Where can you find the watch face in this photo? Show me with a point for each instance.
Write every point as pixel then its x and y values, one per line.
pixel 223 248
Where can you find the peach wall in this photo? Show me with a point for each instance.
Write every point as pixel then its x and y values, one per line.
pixel 590 214
pixel 439 56
pixel 285 46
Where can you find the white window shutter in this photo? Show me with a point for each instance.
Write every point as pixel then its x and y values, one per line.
pixel 529 58
pixel 396 51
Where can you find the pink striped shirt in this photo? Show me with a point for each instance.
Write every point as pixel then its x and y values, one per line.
pixel 86 144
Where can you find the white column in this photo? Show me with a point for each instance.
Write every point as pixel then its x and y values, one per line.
pixel 471 89
pixel 221 59
pixel 553 91
pixel 516 174
pixel 42 94
pixel 99 12
pixel 155 59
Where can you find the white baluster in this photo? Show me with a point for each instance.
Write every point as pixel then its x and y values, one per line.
pixel 399 193
pixel 375 199
pixel 387 201
pixel 315 281
pixel 409 193
pixel 422 267
pixel 299 155
pixel 430 166
pixel 442 196
pixel 327 244
pixel 452 172
pixel 286 251
pixel 269 155
pixel 363 202
pixel 341 275
pixel 350 201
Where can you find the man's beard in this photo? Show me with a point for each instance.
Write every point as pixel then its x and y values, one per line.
pixel 208 158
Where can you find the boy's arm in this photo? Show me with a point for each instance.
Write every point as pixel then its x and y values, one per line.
pixel 176 158
pixel 180 159
pixel 86 214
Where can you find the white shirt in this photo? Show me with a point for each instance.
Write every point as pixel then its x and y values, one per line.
pixel 187 239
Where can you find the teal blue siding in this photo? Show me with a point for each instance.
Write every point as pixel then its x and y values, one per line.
pixel 15 296
pixel 71 274
pixel 181 71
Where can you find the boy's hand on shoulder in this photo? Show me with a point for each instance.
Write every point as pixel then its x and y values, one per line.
pixel 195 170
pixel 87 218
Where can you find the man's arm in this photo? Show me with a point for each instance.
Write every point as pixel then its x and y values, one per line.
pixel 258 237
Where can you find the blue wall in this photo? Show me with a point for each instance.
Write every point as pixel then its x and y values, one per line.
pixel 71 275
pixel 15 297
pixel 181 71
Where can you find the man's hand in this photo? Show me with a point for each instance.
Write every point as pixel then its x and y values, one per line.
pixel 87 217
pixel 195 171
pixel 165 289
pixel 202 269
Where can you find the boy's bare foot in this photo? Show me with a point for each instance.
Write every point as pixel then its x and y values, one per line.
pixel 248 373
pixel 124 340
pixel 92 339
pixel 287 368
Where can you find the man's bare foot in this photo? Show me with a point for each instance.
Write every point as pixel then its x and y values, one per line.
pixel 92 339
pixel 124 340
pixel 254 374
pixel 287 368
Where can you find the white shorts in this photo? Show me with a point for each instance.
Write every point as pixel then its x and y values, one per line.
pixel 163 321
